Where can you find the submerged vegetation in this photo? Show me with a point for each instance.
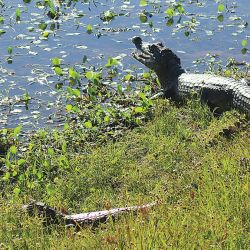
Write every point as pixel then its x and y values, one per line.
pixel 118 143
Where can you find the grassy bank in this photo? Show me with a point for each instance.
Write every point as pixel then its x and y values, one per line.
pixel 195 165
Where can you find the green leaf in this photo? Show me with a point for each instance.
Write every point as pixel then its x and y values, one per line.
pixel 76 109
pixel 13 149
pixel 106 118
pixel 119 89
pixel 10 50
pixel 143 18
pixel 64 147
pixel 6 176
pixel 74 74
pixel 66 125
pixel 146 75
pixel 220 18
pixel 170 12
pixel 181 9
pixel 42 26
pixel 50 189
pixel 26 96
pixel 17 130
pixel 69 107
pixel 244 51
pixel 111 62
pixel 227 73
pixel 138 109
pixel 18 14
pixel 20 162
pixel 58 71
pixel 89 29
pixel 2 32
pixel 51 151
pixel 21 177
pixel 1 19
pixel 89 75
pixel 170 22
pixel 4 131
pixel 143 3
pixel 39 175
pixel 128 77
pixel 70 90
pixel 14 173
pixel 16 191
pixel 88 124
pixel 63 161
pixel 45 164
pixel 76 92
pixel 142 96
pixel 221 7
pixel 45 34
pixel 56 61
pixel 147 88
pixel 244 42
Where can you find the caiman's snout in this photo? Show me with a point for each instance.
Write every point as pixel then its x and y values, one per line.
pixel 146 52
pixel 147 49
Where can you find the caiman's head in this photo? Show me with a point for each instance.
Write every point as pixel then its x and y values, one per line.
pixel 162 60
pixel 42 210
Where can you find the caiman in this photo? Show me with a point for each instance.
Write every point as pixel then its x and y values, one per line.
pixel 53 216
pixel 220 93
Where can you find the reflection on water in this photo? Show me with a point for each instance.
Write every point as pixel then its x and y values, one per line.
pixel 61 30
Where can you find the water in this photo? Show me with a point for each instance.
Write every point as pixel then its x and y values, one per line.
pixel 31 70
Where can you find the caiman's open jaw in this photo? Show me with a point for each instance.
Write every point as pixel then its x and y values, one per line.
pixel 151 55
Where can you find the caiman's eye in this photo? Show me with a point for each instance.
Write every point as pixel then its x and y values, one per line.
pixel 160 44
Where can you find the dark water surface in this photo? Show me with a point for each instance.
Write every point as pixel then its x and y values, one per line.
pixel 31 71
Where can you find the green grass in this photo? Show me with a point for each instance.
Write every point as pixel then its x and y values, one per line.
pixel 196 166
